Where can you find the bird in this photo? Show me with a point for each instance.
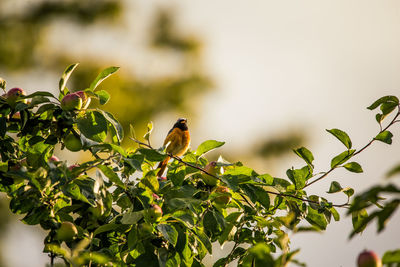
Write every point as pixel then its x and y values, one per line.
pixel 177 143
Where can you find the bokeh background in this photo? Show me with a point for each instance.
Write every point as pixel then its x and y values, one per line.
pixel 264 76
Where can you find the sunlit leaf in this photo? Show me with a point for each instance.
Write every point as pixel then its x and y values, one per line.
pixel 111 175
pixel 341 136
pixel 305 154
pixel 382 100
pixel 353 167
pixel 64 78
pixel 385 137
pixel 342 158
pixel 207 146
pixel 102 76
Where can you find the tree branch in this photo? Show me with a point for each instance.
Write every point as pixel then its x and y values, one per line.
pixel 360 150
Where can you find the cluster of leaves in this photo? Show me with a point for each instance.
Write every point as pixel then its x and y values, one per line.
pixel 381 200
pixel 111 199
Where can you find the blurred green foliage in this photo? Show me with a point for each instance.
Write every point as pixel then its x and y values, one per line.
pixel 135 100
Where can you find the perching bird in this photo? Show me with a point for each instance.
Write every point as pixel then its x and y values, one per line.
pixel 176 142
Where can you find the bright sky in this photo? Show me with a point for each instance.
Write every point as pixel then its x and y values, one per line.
pixel 279 64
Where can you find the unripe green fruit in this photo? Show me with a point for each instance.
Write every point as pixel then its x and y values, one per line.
pixel 71 102
pixel 153 214
pixel 14 94
pixel 211 168
pixel 145 230
pixel 85 99
pixel 368 258
pixel 72 142
pixel 222 200
pixel 66 232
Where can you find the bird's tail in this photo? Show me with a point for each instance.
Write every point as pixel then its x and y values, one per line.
pixel 162 166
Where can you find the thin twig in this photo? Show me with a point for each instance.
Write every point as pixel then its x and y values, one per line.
pixel 358 151
pixel 245 199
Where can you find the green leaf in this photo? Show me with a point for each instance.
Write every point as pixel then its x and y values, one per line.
pixel 385 137
pixel 74 191
pixel 132 131
pixel 348 191
pixel 299 176
pixel 393 171
pixel 103 97
pixel 388 107
pixel 151 154
pixel 64 78
pixel 230 229
pixel 240 170
pixel 359 220
pixel 3 126
pixel 391 257
pixel 116 127
pixel 111 175
pixel 382 100
pixel 3 166
pixel 106 228
pixel 150 180
pixel 341 136
pixel 93 125
pixel 149 130
pixel 207 146
pixel 316 219
pixel 132 217
pixel 39 93
pixel 386 212
pixel 353 167
pixel 342 158
pixel 335 214
pixel 169 232
pixel 305 154
pixel 335 187
pixel 102 76
pixel 177 175
pixel 203 238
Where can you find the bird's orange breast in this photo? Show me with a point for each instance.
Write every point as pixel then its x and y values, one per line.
pixel 178 142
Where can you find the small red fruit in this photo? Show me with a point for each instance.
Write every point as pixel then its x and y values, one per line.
pixel 71 102
pixel 14 94
pixel 53 159
pixel 368 258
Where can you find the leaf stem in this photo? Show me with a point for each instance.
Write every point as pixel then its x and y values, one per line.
pixel 245 199
pixel 360 150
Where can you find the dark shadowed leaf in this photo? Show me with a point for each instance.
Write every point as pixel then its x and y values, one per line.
pixel 169 232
